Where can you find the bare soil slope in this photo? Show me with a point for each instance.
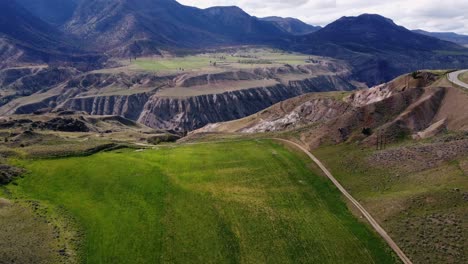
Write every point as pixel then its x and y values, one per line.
pixel 420 105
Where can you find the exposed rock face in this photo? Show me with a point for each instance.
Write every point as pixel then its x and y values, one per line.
pixel 18 82
pixel 182 102
pixel 386 90
pixel 103 80
pixel 128 106
pixel 209 79
pixel 315 110
pixel 190 113
pixel 411 105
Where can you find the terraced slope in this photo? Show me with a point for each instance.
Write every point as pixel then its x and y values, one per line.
pixel 159 93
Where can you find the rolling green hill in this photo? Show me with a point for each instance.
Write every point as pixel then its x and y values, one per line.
pixel 232 202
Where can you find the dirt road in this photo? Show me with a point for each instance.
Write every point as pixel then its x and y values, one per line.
pixel 363 211
pixel 453 77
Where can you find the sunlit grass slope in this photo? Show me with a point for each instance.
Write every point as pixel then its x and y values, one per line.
pixel 237 202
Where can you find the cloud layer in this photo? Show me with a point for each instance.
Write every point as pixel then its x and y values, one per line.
pixel 430 15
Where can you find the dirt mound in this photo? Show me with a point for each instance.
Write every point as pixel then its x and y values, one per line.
pixel 63 125
pixel 14 123
pixel 8 173
pixel 163 138
pixel 28 138
pixel 119 120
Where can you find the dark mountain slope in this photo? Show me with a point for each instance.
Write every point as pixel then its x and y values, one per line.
pixel 26 38
pixel 144 26
pixel 448 36
pixel 379 33
pixel 379 50
pixel 55 12
pixel 291 25
pixel 239 26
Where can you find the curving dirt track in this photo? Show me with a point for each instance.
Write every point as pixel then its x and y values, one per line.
pixel 363 211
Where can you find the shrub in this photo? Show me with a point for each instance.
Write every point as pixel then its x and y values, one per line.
pixel 367 131
pixel 158 139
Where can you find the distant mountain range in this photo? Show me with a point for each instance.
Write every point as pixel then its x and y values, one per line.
pixel 24 37
pixel 143 27
pixel 59 30
pixel 54 12
pixel 448 36
pixel 292 25
pixel 378 49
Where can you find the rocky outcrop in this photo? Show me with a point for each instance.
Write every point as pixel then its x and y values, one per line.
pixel 180 102
pixel 313 111
pixel 47 103
pixel 62 124
pixel 123 80
pixel 389 113
pixel 27 81
pixel 8 173
pixel 186 114
pixel 210 79
pixel 128 106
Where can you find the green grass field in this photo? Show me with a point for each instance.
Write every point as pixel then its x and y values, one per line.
pixel 252 58
pixel 233 202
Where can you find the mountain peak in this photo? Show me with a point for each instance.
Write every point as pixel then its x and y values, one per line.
pixel 291 25
pixel 375 32
pixel 227 10
pixel 368 19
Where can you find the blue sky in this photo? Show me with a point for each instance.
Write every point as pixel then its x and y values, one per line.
pixel 430 15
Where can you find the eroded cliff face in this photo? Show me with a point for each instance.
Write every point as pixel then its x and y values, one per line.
pixel 415 105
pixel 186 114
pixel 309 112
pixel 25 81
pixel 128 106
pixel 185 101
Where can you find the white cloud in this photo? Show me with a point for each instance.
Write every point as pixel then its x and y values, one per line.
pixel 430 15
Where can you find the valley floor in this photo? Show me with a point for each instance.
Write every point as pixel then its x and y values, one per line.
pixel 250 201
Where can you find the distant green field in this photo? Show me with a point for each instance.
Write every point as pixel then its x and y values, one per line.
pixel 186 63
pixel 237 202
pixel 247 59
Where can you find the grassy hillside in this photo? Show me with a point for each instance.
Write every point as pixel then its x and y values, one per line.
pixel 464 77
pixel 417 192
pixel 248 202
pixel 241 59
